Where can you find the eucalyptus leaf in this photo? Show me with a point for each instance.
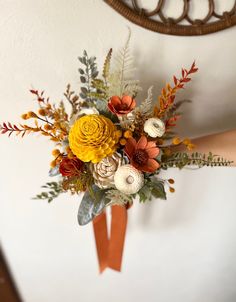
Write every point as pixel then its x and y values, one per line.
pixel 159 155
pixel 84 90
pixel 91 60
pixel 83 79
pixel 81 60
pixel 99 206
pixel 91 206
pixel 54 171
pixel 85 213
pixel 81 71
pixel 83 96
pixel 101 105
pixel 95 74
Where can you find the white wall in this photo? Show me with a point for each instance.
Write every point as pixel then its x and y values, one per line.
pixel 181 250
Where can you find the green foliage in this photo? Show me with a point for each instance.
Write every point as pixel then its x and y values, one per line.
pixel 158 189
pixel 153 188
pixel 101 106
pixel 99 87
pixel 92 204
pixel 55 189
pixel 116 197
pixel 145 194
pixel 181 160
pixel 77 184
pixel 87 75
pixel 107 65
pixel 115 81
pixel 100 90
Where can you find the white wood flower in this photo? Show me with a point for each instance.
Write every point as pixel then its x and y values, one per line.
pixel 154 127
pixel 88 111
pixel 128 179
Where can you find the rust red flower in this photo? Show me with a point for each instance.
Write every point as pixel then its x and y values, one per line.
pixel 142 153
pixel 70 166
pixel 121 106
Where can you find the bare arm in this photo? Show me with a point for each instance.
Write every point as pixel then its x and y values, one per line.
pixel 223 144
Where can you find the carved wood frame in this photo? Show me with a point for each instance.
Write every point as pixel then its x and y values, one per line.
pixel 171 26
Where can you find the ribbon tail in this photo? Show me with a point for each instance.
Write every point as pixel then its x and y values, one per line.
pixel 102 241
pixel 117 236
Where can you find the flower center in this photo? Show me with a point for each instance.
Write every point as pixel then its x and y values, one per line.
pixel 130 179
pixel 140 156
pixel 156 125
pixel 123 106
pixel 89 127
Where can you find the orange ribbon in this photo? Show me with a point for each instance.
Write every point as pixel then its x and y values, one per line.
pixel 101 238
pixel 109 251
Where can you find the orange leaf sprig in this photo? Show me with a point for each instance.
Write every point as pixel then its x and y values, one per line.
pixel 23 129
pixel 168 93
pixel 55 119
pixel 9 128
pixel 171 122
pixel 48 110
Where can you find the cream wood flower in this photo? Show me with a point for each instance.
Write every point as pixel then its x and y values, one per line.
pixel 104 171
pixel 88 111
pixel 128 180
pixel 154 127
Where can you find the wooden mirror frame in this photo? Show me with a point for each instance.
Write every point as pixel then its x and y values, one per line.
pixel 171 26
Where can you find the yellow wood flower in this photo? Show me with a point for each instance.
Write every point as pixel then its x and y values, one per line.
pixel 93 137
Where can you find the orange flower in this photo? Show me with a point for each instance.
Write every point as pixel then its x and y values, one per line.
pixel 121 106
pixel 142 153
pixel 70 166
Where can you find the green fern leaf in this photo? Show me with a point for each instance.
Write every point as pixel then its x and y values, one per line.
pixel 106 66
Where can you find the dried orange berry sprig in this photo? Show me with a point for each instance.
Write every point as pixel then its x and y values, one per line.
pixel 126 135
pixel 48 110
pixel 168 93
pixel 56 129
pixel 56 153
pixel 53 127
pixel 187 142
pixel 170 182
pixel 31 114
pixel 45 107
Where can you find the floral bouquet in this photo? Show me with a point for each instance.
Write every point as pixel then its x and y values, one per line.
pixel 111 148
